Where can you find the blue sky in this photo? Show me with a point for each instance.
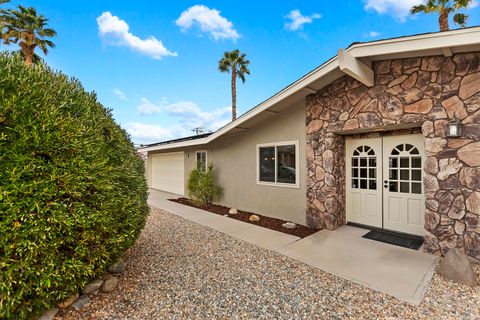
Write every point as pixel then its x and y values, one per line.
pixel 155 62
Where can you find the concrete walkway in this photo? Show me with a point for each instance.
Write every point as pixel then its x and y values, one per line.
pixel 402 273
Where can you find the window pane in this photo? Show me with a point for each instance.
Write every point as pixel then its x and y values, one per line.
pixel 267 164
pixel 404 162
pixel 372 184
pixel 416 162
pixel 202 161
pixel 416 175
pixel 372 173
pixel 355 183
pixel 416 188
pixel 363 184
pixel 404 187
pixel 393 186
pixel 355 172
pixel 363 173
pixel 404 174
pixel 286 164
pixel 355 162
pixel 393 174
pixel 393 162
pixel 372 162
pixel 363 162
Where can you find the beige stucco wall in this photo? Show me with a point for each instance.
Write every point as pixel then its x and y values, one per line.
pixel 234 159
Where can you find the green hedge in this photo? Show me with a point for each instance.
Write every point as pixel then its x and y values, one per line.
pixel 73 196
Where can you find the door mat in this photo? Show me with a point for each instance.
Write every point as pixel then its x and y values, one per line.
pixel 397 239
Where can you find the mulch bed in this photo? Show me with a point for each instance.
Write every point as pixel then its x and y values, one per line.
pixel 266 222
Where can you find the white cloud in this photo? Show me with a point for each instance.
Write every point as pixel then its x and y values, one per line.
pixel 120 94
pixel 147 107
pixel 297 20
pixel 473 4
pixel 115 31
pixel 188 114
pixel 373 34
pixel 209 21
pixel 399 9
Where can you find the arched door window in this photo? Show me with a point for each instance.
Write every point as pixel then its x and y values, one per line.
pixel 364 168
pixel 405 169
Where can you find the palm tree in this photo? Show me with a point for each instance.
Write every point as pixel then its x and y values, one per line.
pixel 29 30
pixel 237 64
pixel 3 14
pixel 444 8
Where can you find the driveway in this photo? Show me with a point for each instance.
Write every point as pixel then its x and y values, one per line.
pixel 179 269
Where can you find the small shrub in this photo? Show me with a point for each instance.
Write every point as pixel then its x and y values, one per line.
pixel 72 189
pixel 202 187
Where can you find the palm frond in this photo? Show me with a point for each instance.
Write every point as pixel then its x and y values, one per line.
pixel 460 19
pixel 461 4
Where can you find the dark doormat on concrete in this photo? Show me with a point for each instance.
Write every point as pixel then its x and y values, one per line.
pixel 397 239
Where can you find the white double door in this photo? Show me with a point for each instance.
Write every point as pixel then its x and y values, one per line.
pixel 385 183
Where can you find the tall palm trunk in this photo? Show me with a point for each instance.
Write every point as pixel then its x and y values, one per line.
pixel 27 53
pixel 234 94
pixel 443 21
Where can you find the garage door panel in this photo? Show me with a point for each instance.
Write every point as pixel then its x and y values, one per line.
pixel 168 172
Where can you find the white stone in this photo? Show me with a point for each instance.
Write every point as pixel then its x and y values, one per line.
pixel 233 211
pixel 81 302
pixel 289 225
pixel 110 284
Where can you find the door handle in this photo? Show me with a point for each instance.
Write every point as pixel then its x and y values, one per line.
pixel 385 184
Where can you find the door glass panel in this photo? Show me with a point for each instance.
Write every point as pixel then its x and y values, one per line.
pixel 354 172
pixel 416 175
pixel 416 162
pixel 364 166
pixel 363 184
pixel 404 174
pixel 416 187
pixel 406 157
pixel 393 186
pixel 393 174
pixel 363 173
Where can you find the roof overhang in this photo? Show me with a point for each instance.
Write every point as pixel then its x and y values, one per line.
pixel 355 61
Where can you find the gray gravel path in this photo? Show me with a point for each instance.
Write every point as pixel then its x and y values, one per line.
pixel 182 270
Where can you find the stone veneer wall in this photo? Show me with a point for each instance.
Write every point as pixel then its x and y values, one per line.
pixel 428 90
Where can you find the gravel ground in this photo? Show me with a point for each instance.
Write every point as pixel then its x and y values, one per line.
pixel 179 269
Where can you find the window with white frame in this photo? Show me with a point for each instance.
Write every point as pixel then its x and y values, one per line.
pixel 202 161
pixel 277 163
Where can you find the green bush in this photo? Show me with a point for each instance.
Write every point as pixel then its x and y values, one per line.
pixel 72 188
pixel 202 187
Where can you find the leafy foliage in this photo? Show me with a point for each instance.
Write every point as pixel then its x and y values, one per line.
pixel 444 8
pixel 202 187
pixel 27 28
pixel 72 188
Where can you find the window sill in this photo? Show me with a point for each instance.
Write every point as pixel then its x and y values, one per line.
pixel 279 184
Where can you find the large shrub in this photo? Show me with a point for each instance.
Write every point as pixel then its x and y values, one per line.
pixel 72 189
pixel 202 187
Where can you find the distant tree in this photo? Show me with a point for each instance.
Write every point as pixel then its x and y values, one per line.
pixel 29 30
pixel 235 63
pixel 3 15
pixel 444 8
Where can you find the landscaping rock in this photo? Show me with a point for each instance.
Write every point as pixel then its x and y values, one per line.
pixel 92 286
pixel 289 225
pixel 254 218
pixel 118 266
pixel 110 284
pixel 81 302
pixel 66 303
pixel 233 211
pixel 49 314
pixel 456 267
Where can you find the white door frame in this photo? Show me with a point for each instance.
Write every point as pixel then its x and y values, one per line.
pixel 364 203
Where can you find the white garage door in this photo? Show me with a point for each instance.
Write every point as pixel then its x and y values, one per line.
pixel 168 172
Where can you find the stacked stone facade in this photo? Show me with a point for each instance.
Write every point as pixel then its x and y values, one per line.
pixel 429 92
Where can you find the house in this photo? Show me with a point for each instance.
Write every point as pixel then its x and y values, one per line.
pixel 385 134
